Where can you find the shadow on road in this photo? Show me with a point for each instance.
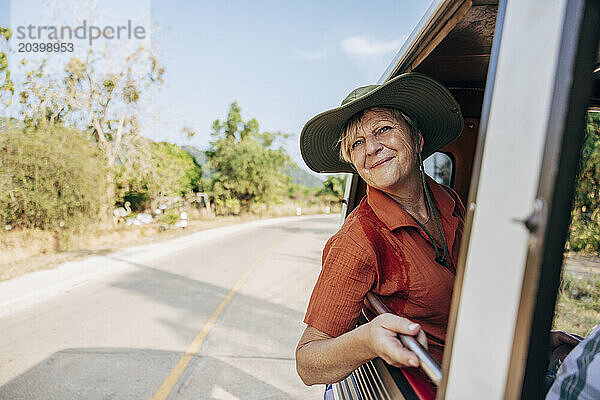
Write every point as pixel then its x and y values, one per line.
pixel 263 326
pixel 121 373
pixel 249 354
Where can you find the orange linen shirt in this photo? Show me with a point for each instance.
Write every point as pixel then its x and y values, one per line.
pixel 380 248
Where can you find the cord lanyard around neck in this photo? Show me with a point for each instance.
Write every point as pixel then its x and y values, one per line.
pixel 439 258
pixel 438 224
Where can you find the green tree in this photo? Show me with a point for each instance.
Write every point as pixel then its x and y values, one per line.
pixel 248 166
pixel 170 171
pixel 585 223
pixel 6 83
pixel 333 188
pixel 176 170
pixel 93 97
pixel 93 94
pixel 50 178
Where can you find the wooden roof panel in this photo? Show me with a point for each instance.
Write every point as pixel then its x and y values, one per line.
pixel 464 54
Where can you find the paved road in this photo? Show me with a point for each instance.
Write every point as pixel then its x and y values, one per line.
pixel 124 333
pixel 584 266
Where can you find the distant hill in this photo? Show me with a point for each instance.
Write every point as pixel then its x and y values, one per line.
pixel 302 177
pixel 200 157
pixel 298 175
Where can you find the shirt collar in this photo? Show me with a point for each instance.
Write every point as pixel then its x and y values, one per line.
pixel 393 216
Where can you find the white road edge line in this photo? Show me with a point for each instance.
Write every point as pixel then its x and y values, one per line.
pixel 37 287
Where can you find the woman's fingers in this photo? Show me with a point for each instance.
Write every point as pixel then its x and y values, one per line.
pixel 385 343
pixel 398 324
pixel 395 354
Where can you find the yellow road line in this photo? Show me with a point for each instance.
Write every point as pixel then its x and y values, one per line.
pixel 165 388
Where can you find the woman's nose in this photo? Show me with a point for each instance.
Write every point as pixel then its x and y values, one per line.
pixel 373 145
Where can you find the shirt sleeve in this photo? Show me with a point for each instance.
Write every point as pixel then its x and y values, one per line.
pixel 579 375
pixel 347 274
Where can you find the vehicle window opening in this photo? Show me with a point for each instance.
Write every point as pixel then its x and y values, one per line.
pixel 578 302
pixel 440 167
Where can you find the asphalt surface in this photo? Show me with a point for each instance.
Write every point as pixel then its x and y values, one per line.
pixel 213 315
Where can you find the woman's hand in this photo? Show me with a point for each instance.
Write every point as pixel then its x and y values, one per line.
pixel 321 358
pixel 384 343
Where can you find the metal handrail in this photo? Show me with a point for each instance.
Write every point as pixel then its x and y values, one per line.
pixel 429 364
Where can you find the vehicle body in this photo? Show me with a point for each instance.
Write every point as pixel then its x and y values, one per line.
pixel 524 72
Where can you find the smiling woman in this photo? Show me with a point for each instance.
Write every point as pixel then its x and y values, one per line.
pixel 400 243
pixel 379 142
pixel 514 165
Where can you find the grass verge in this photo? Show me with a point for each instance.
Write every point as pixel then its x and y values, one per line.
pixel 578 303
pixel 31 250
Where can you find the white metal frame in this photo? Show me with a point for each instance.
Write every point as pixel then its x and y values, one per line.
pixel 510 169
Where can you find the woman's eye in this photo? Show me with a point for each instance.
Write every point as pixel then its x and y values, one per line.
pixel 356 144
pixel 383 129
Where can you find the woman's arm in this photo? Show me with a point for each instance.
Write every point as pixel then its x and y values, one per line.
pixel 321 358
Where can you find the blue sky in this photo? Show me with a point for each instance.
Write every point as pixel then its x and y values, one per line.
pixel 283 62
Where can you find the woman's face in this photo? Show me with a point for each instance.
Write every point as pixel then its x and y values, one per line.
pixel 383 151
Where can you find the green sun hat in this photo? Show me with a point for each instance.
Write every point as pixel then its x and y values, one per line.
pixel 420 97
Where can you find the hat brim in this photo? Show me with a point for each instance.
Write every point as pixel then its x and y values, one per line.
pixel 420 97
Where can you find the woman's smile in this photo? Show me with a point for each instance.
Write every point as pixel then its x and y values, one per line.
pixel 381 162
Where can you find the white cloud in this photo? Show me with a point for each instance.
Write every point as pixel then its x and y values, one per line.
pixel 308 55
pixel 362 46
pixel 369 55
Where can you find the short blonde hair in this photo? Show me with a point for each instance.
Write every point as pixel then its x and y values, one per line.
pixel 350 130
